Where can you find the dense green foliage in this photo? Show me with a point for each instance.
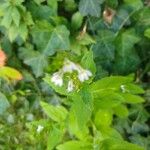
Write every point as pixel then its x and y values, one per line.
pixel 85 82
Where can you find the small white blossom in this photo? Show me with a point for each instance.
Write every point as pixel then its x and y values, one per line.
pixel 69 66
pixel 39 128
pixel 84 75
pixel 70 86
pixel 57 79
pixel 123 88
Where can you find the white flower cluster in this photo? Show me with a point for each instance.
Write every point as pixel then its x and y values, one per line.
pixel 39 128
pixel 69 66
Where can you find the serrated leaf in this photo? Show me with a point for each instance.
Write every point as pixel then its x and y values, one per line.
pixel 90 7
pixel 82 110
pixel 125 146
pixel 110 83
pixel 74 145
pixel 134 89
pixel 56 113
pixel 107 99
pixel 132 99
pixel 121 111
pixel 58 41
pixel 10 73
pixel 4 104
pixel 87 61
pixel 54 138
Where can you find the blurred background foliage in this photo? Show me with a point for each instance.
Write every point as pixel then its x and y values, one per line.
pixel 37 34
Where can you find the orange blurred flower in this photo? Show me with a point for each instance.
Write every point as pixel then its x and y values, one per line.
pixel 2 58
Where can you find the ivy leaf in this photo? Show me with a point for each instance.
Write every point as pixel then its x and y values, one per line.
pixel 4 104
pixel 90 7
pixel 126 56
pixel 59 40
pixel 16 16
pixel 14 32
pixel 7 18
pixel 34 59
pixel 135 4
pixel 104 49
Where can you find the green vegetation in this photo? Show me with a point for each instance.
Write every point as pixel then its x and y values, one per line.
pixel 75 74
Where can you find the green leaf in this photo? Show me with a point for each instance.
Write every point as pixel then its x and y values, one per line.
pixel 34 59
pixel 7 19
pixel 39 1
pixel 54 138
pixel 10 73
pixel 56 113
pixel 110 83
pixel 85 39
pixel 16 16
pixel 135 4
pixel 14 32
pixel 134 89
pixel 114 144
pixel 75 145
pixel 126 56
pixel 107 99
pixel 82 110
pixel 103 118
pixel 58 41
pixel 147 33
pixel 23 31
pixel 4 104
pixel 132 99
pixel 121 111
pixel 125 146
pixel 104 49
pixel 90 7
pixel 87 61
pixel 76 20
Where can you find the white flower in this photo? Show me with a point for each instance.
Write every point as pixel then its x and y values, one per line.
pixel 57 78
pixel 70 86
pixel 84 75
pixel 123 88
pixel 39 128
pixel 69 66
